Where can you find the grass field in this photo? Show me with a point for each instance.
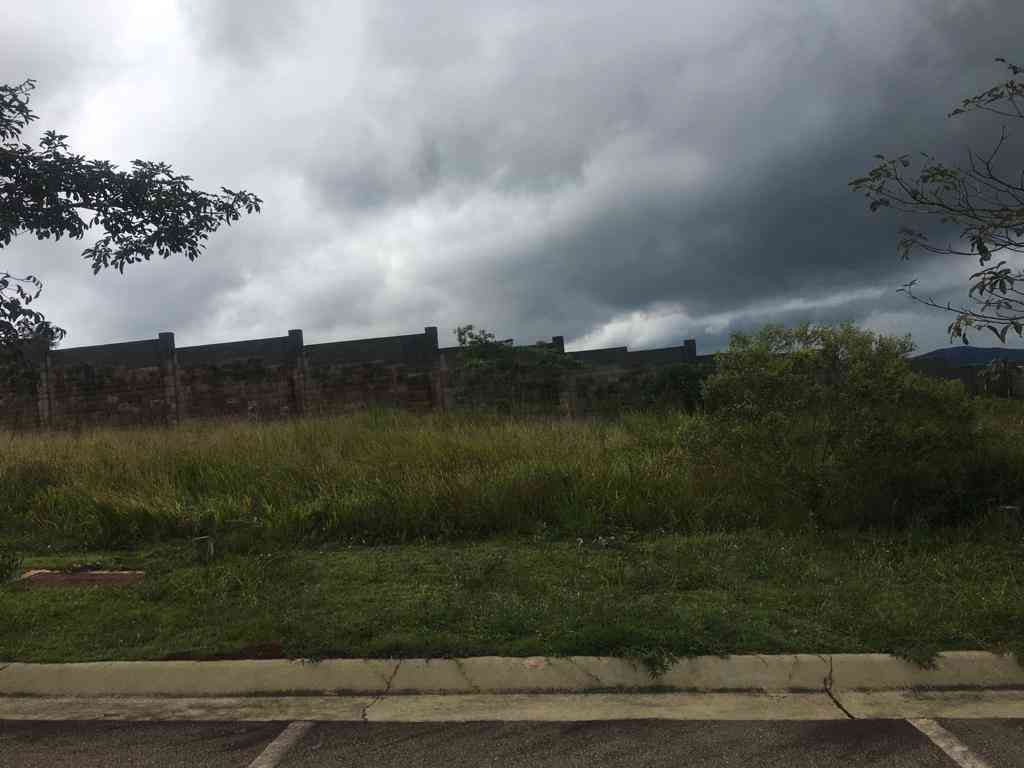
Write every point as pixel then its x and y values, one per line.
pixel 648 599
pixel 397 534
pixel 392 478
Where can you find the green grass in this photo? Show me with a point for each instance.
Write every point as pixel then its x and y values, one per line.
pixel 394 534
pixel 380 478
pixel 651 599
pixel 391 478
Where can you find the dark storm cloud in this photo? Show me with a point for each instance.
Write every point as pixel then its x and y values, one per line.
pixel 610 172
pixel 789 109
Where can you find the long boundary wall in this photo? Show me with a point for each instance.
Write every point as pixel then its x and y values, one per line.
pixel 153 381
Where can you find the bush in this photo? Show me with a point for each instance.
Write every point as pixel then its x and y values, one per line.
pixel 833 422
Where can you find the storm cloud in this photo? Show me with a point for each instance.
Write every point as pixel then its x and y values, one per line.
pixel 613 172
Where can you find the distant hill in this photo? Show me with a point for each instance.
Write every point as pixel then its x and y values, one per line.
pixel 960 356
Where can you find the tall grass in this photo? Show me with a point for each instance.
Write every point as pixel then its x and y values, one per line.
pixel 393 477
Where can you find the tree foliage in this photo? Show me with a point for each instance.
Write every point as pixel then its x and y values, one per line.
pixel 830 414
pixel 51 192
pixel 807 369
pixel 984 201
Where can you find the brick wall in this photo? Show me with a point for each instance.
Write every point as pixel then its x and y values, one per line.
pixel 399 371
pixel 256 378
pixel 115 384
pixel 341 387
pixel 151 381
pixel 19 400
pixel 608 390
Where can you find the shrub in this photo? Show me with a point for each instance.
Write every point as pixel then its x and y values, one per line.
pixel 833 421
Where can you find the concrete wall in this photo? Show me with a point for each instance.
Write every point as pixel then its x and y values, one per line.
pixel 152 381
pixel 256 378
pixel 115 384
pixel 19 391
pixel 608 390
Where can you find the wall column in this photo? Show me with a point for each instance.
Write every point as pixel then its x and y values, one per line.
pixel 437 373
pixel 172 386
pixel 296 355
pixel 40 358
pixel 567 396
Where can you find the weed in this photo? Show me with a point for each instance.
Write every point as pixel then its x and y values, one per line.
pixel 656 660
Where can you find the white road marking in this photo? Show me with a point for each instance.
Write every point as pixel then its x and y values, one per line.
pixel 279 747
pixel 950 744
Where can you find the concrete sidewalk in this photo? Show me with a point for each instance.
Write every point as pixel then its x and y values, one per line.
pixel 537 707
pixel 777 711
pixel 504 675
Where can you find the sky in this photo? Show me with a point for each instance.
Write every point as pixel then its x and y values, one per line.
pixel 617 173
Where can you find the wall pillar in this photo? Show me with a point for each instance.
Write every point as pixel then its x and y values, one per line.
pixel 437 372
pixel 172 385
pixel 39 357
pixel 296 355
pixel 567 396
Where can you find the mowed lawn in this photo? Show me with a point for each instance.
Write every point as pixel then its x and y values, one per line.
pixel 388 535
pixel 654 599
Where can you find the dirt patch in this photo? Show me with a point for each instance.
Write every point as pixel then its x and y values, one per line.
pixel 82 578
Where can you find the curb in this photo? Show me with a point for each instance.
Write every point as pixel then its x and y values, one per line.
pixel 495 674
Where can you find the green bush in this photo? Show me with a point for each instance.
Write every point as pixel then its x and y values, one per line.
pixel 833 422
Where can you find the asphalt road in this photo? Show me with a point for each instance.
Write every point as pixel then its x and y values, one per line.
pixel 33 744
pixel 694 744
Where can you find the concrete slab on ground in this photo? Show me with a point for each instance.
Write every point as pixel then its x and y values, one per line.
pixel 970 704
pixel 253 708
pixel 526 707
pixel 602 706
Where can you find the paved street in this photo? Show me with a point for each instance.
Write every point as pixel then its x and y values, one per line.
pixel 29 744
pixel 751 744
